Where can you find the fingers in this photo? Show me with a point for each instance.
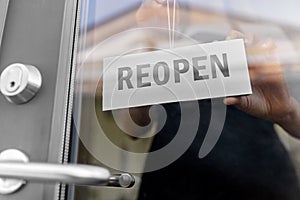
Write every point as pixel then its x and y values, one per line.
pixel 231 101
pixel 259 49
pixel 242 102
pixel 147 11
pixel 154 13
pixel 249 39
pixel 262 53
pixel 263 62
pixel 233 34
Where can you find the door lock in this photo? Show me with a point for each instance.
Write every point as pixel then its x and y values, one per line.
pixel 19 83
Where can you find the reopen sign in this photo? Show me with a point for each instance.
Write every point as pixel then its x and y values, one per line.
pixel 187 73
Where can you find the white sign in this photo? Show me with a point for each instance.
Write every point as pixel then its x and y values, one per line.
pixel 187 73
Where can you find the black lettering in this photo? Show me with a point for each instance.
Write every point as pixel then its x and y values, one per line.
pixel 141 75
pixel 224 68
pixel 126 78
pixel 178 71
pixel 166 73
pixel 198 67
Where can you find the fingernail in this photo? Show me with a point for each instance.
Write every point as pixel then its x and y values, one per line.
pixel 230 101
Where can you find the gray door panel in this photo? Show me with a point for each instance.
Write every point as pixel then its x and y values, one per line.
pixel 32 35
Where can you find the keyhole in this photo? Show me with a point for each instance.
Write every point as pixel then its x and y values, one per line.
pixel 12 84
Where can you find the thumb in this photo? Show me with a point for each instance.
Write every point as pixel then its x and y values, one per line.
pixel 242 102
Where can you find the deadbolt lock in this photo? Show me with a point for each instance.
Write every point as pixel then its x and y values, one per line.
pixel 19 83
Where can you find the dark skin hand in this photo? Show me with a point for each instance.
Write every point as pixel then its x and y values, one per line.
pixel 270 99
pixel 140 115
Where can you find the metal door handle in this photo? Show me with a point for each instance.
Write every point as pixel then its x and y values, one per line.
pixel 68 173
pixel 15 170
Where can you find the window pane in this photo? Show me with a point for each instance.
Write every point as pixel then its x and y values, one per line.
pixel 251 150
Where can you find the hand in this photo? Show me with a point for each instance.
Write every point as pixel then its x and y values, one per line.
pixel 270 99
pixel 140 115
pixel 154 13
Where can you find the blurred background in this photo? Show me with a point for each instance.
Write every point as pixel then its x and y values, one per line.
pixel 110 28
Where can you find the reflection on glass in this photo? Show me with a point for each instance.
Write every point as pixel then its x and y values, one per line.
pixel 257 154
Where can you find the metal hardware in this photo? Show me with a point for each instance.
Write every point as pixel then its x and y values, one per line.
pixel 58 173
pixel 121 180
pixel 19 83
pixel 9 186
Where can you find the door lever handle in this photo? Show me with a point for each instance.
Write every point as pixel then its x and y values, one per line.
pixel 64 173
pixel 15 170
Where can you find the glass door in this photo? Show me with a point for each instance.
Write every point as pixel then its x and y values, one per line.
pixel 242 147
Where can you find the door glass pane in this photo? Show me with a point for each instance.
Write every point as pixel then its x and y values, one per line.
pixel 200 149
